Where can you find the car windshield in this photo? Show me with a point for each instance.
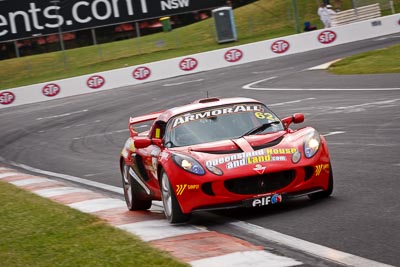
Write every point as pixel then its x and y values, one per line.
pixel 220 123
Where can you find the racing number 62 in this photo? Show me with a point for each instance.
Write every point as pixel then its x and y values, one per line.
pixel 266 116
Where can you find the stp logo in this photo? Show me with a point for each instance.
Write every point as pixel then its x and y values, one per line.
pixel 327 37
pixel 233 55
pixel 141 73
pixel 188 64
pixel 6 98
pixel 51 89
pixel 280 46
pixel 95 82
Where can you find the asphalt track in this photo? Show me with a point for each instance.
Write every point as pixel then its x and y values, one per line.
pixel 359 115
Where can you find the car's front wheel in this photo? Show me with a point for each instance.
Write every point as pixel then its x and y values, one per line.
pixel 326 193
pixel 172 209
pixel 131 192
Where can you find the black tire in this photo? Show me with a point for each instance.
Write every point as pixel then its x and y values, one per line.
pixel 326 193
pixel 172 210
pixel 132 191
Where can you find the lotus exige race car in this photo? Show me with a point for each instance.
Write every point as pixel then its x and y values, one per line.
pixel 222 153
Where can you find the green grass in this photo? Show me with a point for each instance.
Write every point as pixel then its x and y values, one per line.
pixel 261 20
pixel 38 232
pixel 384 60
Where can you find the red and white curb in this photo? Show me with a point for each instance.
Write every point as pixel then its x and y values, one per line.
pixel 192 244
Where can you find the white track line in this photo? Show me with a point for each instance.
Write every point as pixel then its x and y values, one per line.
pixel 30 181
pixel 8 174
pixel 62 115
pixel 325 65
pixel 60 191
pixel 250 87
pixel 99 204
pixel 308 247
pixel 258 258
pixel 159 229
pixel 174 84
pixel 106 187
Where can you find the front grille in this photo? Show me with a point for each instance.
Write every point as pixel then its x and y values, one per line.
pixel 260 184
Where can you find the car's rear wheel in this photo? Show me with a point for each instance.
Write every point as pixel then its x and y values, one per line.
pixel 326 193
pixel 172 209
pixel 131 192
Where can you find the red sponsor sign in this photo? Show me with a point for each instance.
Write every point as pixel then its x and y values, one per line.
pixel 95 82
pixel 141 73
pixel 280 46
pixel 6 98
pixel 188 64
pixel 327 37
pixel 233 55
pixel 51 90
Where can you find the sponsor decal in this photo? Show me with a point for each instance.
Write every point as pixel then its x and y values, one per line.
pixel 141 73
pixel 253 157
pixel 233 55
pixel 280 46
pixel 51 89
pixel 376 23
pixel 214 112
pixel 188 64
pixel 6 98
pixel 327 37
pixel 319 168
pixel 95 82
pixel 180 188
pixel 267 200
pixel 26 18
pixel 259 169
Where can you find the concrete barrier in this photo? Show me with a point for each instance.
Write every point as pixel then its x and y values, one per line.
pixel 195 63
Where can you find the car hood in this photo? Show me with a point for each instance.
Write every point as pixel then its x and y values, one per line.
pixel 249 151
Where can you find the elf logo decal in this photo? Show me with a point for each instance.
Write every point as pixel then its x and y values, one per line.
pixel 280 46
pixel 180 188
pixel 267 200
pixel 51 90
pixel 327 37
pixel 259 169
pixel 233 55
pixel 188 64
pixel 95 82
pixel 320 167
pixel 6 98
pixel 141 73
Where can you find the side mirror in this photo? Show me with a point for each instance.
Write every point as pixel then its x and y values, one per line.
pixel 295 118
pixel 298 118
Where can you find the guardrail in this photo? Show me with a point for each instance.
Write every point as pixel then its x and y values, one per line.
pixel 355 15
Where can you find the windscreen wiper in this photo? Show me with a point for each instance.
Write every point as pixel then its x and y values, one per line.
pixel 260 128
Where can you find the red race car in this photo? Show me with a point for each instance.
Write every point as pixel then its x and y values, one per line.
pixel 221 153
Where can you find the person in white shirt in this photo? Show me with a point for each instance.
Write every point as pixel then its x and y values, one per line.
pixel 324 13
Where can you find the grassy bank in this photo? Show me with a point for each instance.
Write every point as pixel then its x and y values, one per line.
pixel 384 60
pixel 37 232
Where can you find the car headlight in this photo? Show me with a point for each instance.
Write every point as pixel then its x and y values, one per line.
pixel 188 164
pixel 311 144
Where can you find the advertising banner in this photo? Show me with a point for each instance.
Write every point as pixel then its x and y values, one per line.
pixel 23 19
